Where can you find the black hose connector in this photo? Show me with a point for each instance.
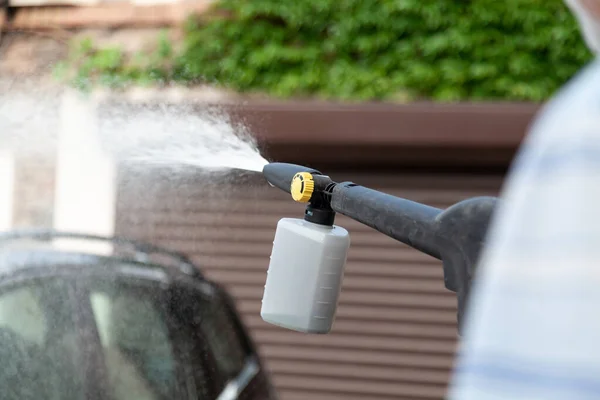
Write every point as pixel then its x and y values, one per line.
pixel 281 174
pixel 407 221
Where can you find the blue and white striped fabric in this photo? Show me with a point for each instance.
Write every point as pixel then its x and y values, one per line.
pixel 533 327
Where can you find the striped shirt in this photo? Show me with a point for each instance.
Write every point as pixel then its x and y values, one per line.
pixel 533 325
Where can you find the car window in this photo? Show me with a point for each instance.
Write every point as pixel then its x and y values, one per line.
pixel 137 348
pixel 222 336
pixel 39 344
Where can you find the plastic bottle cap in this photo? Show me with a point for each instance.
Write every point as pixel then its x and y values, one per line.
pixel 302 187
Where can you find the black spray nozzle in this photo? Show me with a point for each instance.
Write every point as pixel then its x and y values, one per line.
pixel 306 185
pixel 282 174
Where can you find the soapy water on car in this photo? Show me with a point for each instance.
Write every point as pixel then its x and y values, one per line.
pixel 173 136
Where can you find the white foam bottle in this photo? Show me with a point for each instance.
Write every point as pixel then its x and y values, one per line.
pixel 307 266
pixel 305 275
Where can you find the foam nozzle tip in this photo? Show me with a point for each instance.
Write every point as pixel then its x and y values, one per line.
pixel 281 174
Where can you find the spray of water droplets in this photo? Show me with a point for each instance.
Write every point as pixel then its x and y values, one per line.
pixel 29 121
pixel 172 136
pixel 178 136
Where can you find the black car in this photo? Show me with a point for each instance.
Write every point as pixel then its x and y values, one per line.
pixel 140 324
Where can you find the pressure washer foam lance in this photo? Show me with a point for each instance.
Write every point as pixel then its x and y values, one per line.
pixel 309 255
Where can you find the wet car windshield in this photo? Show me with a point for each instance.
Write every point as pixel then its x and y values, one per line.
pixel 136 344
pixel 43 344
pixel 39 345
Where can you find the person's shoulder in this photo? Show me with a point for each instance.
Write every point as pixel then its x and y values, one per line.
pixel 565 133
pixel 573 108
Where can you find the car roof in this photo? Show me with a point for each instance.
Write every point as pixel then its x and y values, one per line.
pixel 26 249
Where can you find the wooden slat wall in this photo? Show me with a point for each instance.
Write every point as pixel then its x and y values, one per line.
pixel 395 332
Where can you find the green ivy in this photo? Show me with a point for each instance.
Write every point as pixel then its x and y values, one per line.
pixel 88 64
pixel 393 50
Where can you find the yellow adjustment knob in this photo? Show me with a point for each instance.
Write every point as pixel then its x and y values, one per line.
pixel 302 187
